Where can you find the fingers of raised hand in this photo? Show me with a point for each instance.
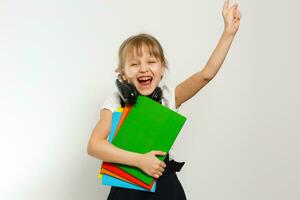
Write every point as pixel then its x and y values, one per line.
pixel 225 6
pixel 233 9
pixel 237 15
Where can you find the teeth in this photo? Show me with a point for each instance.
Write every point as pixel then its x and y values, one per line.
pixel 144 78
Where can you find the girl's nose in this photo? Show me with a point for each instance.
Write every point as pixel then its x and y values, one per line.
pixel 143 68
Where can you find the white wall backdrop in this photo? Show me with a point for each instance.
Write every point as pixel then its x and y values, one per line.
pixel 57 61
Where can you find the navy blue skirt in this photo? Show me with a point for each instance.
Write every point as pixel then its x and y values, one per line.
pixel 168 186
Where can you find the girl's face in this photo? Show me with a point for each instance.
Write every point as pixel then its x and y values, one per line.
pixel 144 71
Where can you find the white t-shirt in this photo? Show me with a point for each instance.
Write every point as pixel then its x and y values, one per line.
pixel 112 103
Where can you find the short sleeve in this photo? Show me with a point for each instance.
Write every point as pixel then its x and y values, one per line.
pixel 169 101
pixel 169 96
pixel 112 102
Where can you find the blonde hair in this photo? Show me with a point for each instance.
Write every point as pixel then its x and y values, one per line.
pixel 135 44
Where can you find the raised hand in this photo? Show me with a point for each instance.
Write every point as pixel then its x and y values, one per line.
pixel 232 17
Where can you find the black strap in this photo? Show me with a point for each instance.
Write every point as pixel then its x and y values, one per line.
pixel 122 102
pixel 172 166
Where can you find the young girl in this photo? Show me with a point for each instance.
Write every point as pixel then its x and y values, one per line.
pixel 142 63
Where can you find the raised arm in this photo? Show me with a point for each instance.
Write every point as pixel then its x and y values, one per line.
pixel 189 87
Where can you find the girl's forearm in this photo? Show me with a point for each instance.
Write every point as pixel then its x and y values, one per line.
pixel 218 56
pixel 107 152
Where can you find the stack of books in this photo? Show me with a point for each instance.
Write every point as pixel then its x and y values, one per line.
pixel 141 128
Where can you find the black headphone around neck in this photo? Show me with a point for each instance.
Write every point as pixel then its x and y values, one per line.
pixel 129 94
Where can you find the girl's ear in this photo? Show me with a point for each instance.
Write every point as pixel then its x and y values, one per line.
pixel 124 78
pixel 122 75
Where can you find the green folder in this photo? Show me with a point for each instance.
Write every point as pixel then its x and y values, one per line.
pixel 148 126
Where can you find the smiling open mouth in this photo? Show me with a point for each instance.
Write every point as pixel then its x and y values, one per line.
pixel 145 81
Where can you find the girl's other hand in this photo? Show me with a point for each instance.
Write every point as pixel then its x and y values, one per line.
pixel 232 17
pixel 151 165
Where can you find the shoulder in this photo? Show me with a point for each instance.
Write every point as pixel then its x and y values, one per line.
pixel 111 102
pixel 168 90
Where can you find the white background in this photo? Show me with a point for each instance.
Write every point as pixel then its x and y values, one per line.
pixel 57 61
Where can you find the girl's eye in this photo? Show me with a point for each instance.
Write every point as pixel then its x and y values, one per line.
pixel 133 64
pixel 152 61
